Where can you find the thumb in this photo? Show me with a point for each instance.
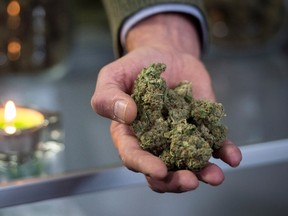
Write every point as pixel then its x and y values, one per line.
pixel 111 101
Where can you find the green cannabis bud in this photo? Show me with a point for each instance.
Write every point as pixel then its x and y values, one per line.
pixel 173 125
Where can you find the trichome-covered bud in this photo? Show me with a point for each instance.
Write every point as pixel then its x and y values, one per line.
pixel 173 125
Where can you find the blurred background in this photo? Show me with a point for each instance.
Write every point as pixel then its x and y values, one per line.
pixel 50 54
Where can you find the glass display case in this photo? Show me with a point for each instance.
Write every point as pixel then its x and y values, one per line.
pixel 77 156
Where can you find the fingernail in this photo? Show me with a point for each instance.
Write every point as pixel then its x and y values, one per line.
pixel 119 110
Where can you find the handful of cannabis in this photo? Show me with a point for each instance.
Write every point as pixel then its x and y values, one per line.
pixel 173 125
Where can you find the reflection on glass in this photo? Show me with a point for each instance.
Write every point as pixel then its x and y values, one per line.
pixel 14 50
pixel 39 39
pixel 13 8
pixel 43 29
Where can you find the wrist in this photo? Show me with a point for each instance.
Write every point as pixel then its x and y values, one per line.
pixel 168 31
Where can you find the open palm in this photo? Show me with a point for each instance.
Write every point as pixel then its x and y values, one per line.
pixel 112 99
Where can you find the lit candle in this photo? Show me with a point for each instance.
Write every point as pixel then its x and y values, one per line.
pixel 14 119
pixel 20 129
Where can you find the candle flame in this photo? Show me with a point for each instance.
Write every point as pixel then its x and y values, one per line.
pixel 9 116
pixel 9 112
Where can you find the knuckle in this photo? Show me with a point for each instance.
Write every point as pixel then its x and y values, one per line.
pixel 96 104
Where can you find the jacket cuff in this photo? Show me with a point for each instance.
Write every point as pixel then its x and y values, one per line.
pixel 194 11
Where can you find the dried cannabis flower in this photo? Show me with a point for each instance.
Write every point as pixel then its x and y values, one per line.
pixel 173 125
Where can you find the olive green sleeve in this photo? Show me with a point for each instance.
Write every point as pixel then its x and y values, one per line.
pixel 118 11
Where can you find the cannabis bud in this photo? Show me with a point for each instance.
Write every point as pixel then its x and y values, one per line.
pixel 173 125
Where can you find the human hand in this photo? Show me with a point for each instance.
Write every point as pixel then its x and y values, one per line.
pixel 115 83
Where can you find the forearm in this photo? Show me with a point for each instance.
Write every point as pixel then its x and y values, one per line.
pixel 166 31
